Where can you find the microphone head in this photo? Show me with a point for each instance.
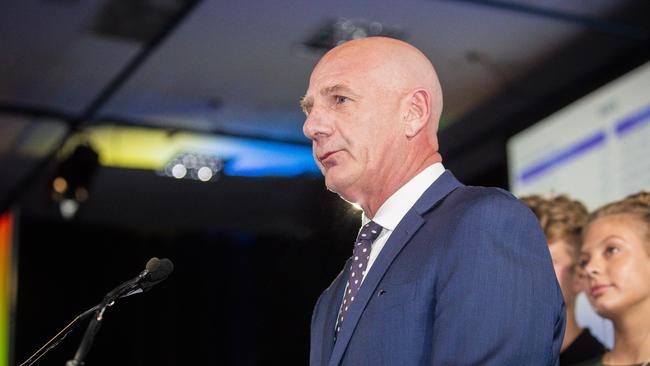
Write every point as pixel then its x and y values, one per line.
pixel 160 269
pixel 157 270
pixel 163 270
pixel 152 264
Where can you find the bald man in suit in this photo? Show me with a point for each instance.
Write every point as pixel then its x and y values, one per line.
pixel 441 273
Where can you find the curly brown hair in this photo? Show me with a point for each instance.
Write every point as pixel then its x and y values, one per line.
pixel 561 218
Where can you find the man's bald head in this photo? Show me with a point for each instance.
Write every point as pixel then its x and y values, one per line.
pixel 394 64
pixel 372 107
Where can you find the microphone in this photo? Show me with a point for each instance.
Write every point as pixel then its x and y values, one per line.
pixel 159 270
pixel 156 271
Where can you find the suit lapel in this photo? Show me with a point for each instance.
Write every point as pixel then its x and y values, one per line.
pixel 398 239
pixel 335 297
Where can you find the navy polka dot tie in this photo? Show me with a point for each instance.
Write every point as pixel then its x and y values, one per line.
pixel 361 253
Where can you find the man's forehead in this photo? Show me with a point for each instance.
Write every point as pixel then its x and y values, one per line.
pixel 339 64
pixel 340 72
pixel 338 76
pixel 334 88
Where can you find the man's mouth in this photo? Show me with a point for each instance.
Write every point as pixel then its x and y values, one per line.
pixel 322 158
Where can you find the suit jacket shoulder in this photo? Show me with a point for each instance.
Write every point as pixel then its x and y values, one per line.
pixel 465 278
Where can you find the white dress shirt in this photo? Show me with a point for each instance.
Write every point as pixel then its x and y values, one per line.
pixel 395 208
pixel 397 205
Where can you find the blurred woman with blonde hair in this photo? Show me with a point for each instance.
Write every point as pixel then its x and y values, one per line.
pixel 615 260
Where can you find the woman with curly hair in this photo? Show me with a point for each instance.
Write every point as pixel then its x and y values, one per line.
pixel 562 220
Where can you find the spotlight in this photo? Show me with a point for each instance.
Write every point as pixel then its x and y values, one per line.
pixel 204 174
pixel 68 208
pixel 337 31
pixel 60 185
pixel 179 170
pixel 195 166
pixel 72 179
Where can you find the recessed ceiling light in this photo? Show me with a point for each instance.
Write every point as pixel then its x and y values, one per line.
pixel 337 31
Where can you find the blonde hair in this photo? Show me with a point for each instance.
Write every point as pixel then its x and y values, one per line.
pixel 636 205
pixel 561 218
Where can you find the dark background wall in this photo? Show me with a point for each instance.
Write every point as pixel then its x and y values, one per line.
pixel 241 292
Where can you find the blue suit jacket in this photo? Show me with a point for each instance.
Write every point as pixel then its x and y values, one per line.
pixel 465 279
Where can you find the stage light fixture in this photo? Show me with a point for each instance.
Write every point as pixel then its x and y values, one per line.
pixel 195 166
pixel 179 171
pixel 204 174
pixel 72 179
pixel 337 31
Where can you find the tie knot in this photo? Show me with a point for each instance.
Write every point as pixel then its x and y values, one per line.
pixel 370 231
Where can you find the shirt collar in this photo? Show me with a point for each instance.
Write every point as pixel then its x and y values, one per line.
pixel 399 203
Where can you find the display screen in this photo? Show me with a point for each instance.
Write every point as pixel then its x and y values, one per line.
pixel 595 150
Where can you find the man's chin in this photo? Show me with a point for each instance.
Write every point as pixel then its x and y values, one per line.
pixel 334 183
pixel 341 187
pixel 331 186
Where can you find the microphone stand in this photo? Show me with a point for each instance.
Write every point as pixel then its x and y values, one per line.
pixel 89 336
pixel 125 289
pixel 156 271
pixel 59 337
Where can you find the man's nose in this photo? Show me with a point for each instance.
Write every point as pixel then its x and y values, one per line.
pixel 316 126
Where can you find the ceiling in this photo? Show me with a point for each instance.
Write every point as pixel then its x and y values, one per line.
pixel 240 67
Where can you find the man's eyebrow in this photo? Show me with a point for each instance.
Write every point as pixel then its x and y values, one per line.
pixel 306 103
pixel 336 89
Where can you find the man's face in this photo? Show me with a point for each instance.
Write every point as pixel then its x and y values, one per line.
pixel 352 122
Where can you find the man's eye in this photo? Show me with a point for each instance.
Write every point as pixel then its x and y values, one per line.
pixel 341 99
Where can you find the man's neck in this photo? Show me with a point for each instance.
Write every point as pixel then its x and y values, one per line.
pixel 375 201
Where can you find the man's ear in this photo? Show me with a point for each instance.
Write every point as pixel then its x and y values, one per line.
pixel 418 112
